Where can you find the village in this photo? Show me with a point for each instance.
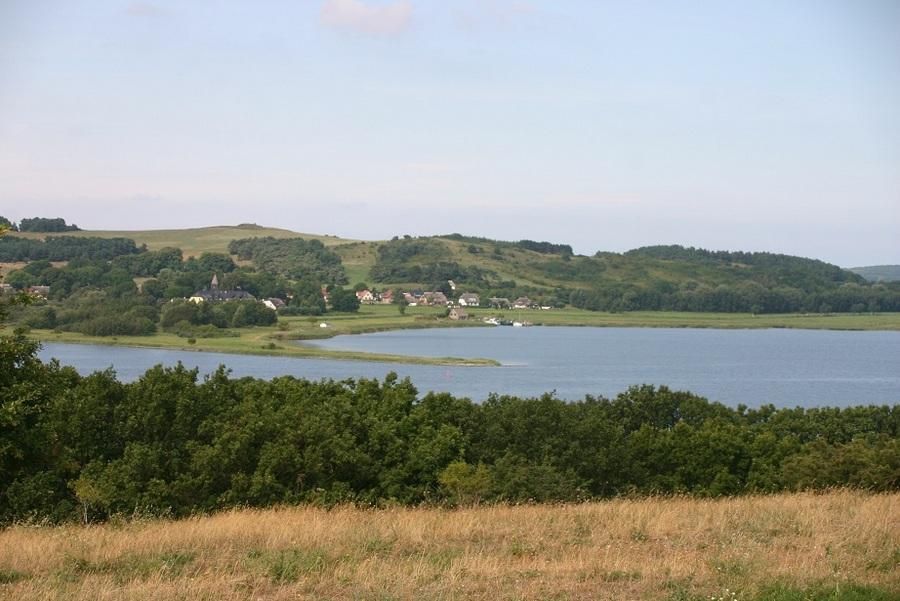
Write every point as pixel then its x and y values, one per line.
pixel 457 309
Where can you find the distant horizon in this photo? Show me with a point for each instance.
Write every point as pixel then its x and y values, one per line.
pixel 575 249
pixel 759 126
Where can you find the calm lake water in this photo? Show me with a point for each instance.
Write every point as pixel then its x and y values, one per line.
pixel 784 367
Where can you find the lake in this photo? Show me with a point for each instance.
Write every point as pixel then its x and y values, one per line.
pixel 779 366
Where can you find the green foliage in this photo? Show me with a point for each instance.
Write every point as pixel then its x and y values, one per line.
pixel 670 278
pixel 306 299
pixel 87 448
pixel 879 273
pixel 64 248
pixel 79 274
pixel 216 263
pixel 871 462
pixel 180 315
pixel 46 224
pixel 99 313
pixel 150 263
pixel 844 591
pixel 424 260
pixel 288 565
pixel 464 484
pixel 546 248
pixel 344 300
pixel 11 576
pixel 293 258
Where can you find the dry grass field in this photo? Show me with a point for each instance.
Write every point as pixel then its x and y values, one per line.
pixel 840 545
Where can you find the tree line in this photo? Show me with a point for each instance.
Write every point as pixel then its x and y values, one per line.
pixel 171 443
pixel 39 224
pixel 746 297
pixel 64 248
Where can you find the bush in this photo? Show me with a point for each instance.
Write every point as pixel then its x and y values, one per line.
pixel 115 326
pixel 42 318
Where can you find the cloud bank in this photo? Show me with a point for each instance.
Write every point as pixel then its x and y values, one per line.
pixel 356 15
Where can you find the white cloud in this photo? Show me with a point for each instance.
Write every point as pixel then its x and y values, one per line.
pixel 356 15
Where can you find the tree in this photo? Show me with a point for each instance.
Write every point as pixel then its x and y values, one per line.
pixel 216 262
pixel 307 298
pixel 344 300
pixel 465 484
pixel 46 224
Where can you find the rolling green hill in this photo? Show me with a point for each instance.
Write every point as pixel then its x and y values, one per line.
pixel 650 278
pixel 879 273
pixel 671 278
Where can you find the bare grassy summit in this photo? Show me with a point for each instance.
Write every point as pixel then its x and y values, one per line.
pixel 839 545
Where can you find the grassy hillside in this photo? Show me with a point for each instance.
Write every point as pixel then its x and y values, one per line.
pixel 651 266
pixel 835 546
pixel 657 278
pixel 879 273
pixel 499 260
pixel 193 241
pixel 652 278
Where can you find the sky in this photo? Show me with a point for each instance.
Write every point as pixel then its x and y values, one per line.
pixel 607 125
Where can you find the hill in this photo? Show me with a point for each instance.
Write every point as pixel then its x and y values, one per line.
pixel 192 241
pixel 655 278
pixel 879 273
pixel 650 278
pixel 817 547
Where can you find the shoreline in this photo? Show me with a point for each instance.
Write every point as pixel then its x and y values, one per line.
pixel 288 339
pixel 298 351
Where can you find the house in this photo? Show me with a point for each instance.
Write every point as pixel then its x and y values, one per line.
pixel 468 299
pixel 499 302
pixel 41 291
pixel 6 289
pixel 523 302
pixel 457 313
pixel 386 297
pixel 365 296
pixel 214 295
pixel 436 298
pixel 273 303
pixel 217 296
pixel 410 299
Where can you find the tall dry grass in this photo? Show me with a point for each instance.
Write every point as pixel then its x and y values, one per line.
pixel 621 549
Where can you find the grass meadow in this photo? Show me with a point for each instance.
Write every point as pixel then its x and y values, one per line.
pixel 838 545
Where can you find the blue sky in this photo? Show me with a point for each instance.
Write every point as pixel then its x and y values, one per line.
pixel 764 125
